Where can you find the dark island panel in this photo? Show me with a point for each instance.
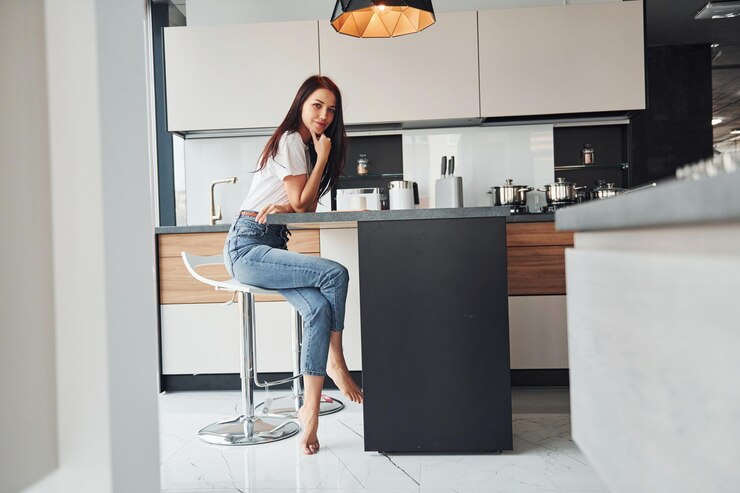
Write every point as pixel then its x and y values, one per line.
pixel 435 337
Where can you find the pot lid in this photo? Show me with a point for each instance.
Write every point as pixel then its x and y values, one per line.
pixel 510 184
pixel 601 185
pixel 560 181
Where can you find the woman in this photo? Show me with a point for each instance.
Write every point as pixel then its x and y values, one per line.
pixel 255 253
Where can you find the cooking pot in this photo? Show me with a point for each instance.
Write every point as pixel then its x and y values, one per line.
pixel 560 192
pixel 403 194
pixel 510 194
pixel 605 190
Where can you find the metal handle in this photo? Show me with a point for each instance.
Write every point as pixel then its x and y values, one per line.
pixel 641 188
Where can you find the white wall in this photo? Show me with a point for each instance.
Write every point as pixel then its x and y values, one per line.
pixel 83 243
pixel 207 160
pixel 27 376
pixel 213 12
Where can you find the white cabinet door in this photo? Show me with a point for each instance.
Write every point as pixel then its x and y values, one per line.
pixel 538 334
pixel 562 59
pixel 240 76
pixel 204 338
pixel 427 76
pixel 340 245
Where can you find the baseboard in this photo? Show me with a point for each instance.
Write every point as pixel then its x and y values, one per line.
pixel 550 377
pixel 231 381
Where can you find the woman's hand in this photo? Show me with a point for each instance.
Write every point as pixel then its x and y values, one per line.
pixel 322 145
pixel 272 209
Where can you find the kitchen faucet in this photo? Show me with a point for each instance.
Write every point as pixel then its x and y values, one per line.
pixel 216 216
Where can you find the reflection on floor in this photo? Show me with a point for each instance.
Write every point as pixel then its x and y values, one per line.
pixel 544 459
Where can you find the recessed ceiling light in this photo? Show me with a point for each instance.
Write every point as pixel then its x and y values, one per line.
pixel 719 10
pixel 716 120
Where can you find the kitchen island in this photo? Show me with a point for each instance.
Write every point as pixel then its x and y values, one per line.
pixel 435 331
pixel 197 330
pixel 653 335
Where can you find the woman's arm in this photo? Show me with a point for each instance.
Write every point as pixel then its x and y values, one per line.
pixel 303 193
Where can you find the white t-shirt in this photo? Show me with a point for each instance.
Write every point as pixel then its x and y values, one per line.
pixel 292 158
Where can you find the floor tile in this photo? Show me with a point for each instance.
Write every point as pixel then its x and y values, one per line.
pixel 545 459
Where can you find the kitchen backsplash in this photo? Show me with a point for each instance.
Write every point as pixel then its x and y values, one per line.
pixel 484 157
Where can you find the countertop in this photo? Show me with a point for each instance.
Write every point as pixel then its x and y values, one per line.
pixel 349 219
pixel 672 202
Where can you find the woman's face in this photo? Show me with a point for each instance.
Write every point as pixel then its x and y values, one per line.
pixel 318 110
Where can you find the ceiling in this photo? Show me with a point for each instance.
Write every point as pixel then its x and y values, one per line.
pixel 671 22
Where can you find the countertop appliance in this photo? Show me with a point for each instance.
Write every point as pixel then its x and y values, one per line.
pixel 358 199
pixel 403 194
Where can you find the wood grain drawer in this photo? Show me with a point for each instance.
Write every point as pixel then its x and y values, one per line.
pixel 536 234
pixel 177 286
pixel 170 245
pixel 536 270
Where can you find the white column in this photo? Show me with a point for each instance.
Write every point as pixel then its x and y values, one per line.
pixel 103 248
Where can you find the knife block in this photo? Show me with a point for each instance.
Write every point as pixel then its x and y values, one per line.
pixel 448 192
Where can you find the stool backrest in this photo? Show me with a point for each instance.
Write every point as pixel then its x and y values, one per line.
pixel 193 261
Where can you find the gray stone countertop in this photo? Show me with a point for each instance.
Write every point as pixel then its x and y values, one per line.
pixel 350 219
pixel 672 202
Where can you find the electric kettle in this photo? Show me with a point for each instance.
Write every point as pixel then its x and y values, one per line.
pixel 403 194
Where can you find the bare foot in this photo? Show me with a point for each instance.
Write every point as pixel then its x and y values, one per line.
pixel 309 419
pixel 340 375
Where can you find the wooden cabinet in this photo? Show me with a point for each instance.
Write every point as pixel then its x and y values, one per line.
pixel 538 334
pixel 238 76
pixel 562 59
pixel 537 306
pixel 204 338
pixel 536 258
pixel 428 76
pixel 199 334
pixel 176 285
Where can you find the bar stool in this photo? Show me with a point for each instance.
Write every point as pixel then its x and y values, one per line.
pixel 251 428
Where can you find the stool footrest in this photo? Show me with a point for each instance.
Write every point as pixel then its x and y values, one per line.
pixel 326 406
pixel 266 384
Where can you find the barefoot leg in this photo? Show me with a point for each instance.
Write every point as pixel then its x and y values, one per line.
pixel 308 414
pixel 338 371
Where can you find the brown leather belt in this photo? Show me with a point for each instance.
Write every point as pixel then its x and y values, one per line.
pixel 249 213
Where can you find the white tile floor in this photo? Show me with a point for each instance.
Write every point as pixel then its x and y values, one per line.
pixel 544 459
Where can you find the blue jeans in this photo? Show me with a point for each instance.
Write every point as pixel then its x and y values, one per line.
pixel 257 254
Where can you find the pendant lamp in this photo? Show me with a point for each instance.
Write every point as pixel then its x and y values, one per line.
pixel 381 18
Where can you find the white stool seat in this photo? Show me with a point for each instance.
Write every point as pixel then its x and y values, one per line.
pixel 194 261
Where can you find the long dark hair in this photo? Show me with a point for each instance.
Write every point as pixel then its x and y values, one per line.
pixel 335 131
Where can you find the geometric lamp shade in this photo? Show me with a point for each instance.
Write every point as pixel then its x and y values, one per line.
pixel 381 18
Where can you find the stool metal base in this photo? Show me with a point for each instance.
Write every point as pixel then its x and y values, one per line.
pixel 232 431
pixel 327 405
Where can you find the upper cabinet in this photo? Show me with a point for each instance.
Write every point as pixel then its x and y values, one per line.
pixel 562 59
pixel 242 76
pixel 498 63
pixel 430 75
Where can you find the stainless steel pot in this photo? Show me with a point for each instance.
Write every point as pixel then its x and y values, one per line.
pixel 605 190
pixel 510 194
pixel 560 192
